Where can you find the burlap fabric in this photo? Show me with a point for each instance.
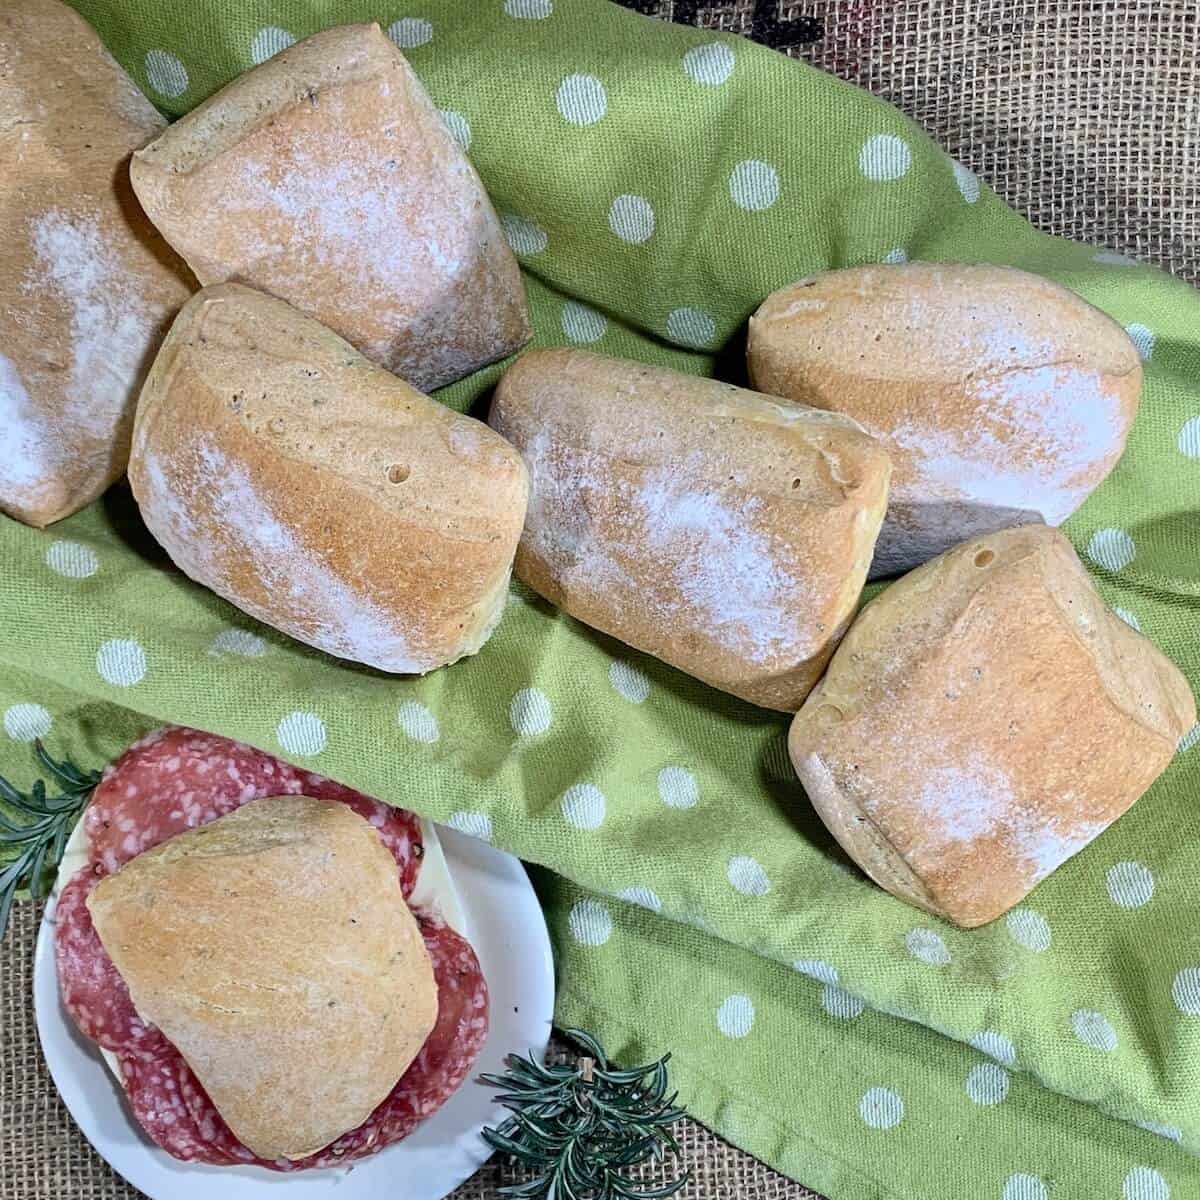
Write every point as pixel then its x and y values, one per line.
pixel 1083 114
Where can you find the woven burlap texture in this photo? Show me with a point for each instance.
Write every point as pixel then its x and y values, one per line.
pixel 1083 114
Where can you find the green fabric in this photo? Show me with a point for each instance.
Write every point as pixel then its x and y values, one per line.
pixel 627 778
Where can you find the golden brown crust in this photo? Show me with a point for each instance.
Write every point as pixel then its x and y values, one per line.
pixel 725 532
pixel 274 950
pixel 325 176
pixel 319 492
pixel 1001 397
pixel 984 719
pixel 86 284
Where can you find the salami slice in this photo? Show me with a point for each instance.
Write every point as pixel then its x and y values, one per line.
pixel 92 989
pixel 177 779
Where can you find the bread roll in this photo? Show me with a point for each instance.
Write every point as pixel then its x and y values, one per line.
pixel 326 177
pixel 727 533
pixel 1001 397
pixel 86 285
pixel 320 493
pixel 983 720
pixel 274 950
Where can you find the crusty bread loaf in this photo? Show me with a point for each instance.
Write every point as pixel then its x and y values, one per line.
pixel 87 287
pixel 984 719
pixel 275 951
pixel 319 492
pixel 1001 397
pixel 326 177
pixel 728 533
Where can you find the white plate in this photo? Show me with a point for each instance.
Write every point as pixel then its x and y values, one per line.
pixel 508 932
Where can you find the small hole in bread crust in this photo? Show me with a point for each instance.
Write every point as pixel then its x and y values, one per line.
pixel 276 425
pixel 795 485
pixel 397 473
pixel 984 557
pixel 831 712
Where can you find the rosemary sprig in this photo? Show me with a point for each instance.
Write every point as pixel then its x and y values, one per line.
pixel 43 823
pixel 580 1127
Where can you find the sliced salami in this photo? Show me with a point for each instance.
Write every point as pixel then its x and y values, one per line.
pixel 92 989
pixel 176 779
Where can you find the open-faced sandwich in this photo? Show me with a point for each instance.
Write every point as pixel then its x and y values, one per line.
pixel 267 959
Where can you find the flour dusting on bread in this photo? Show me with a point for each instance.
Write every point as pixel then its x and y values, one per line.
pixel 186 514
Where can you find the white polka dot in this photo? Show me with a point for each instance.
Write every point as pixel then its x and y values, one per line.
pixel 631 218
pixel 1129 884
pixel 881 1108
pixel 166 74
pixel 410 32
pixel 581 99
pixel 896 256
pixel 754 185
pixel 839 1003
pixel 884 157
pixel 997 1045
pixel 926 945
pixel 1129 618
pixel 583 804
pixel 735 1017
pixel 967 180
pixel 26 722
pixel 460 129
pixel 1190 738
pixel 121 662
pixel 473 824
pixel 747 876
pixel 816 969
pixel 72 559
pixel 987 1083
pixel 629 682
pixel 418 722
pixel 531 10
pixel 1189 438
pixel 530 712
pixel 301 733
pixel 1142 336
pixel 524 236
pixel 710 64
pixel 1092 1029
pixel 643 896
pixel 678 788
pixel 590 923
pixel 1113 259
pixel 1110 548
pixel 691 327
pixel 1024 1187
pixel 238 641
pixel 1145 1183
pixel 268 42
pixel 1185 991
pixel 1029 928
pixel 1171 1132
pixel 582 325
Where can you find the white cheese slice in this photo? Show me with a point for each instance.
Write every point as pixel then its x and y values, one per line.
pixel 434 890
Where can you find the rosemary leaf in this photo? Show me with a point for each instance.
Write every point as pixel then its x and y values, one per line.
pixel 35 827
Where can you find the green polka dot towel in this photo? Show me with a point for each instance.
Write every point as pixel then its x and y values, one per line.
pixel 656 183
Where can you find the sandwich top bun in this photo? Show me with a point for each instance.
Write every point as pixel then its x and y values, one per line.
pixel 984 719
pixel 1002 398
pixel 320 493
pixel 275 951
pixel 87 286
pixel 326 177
